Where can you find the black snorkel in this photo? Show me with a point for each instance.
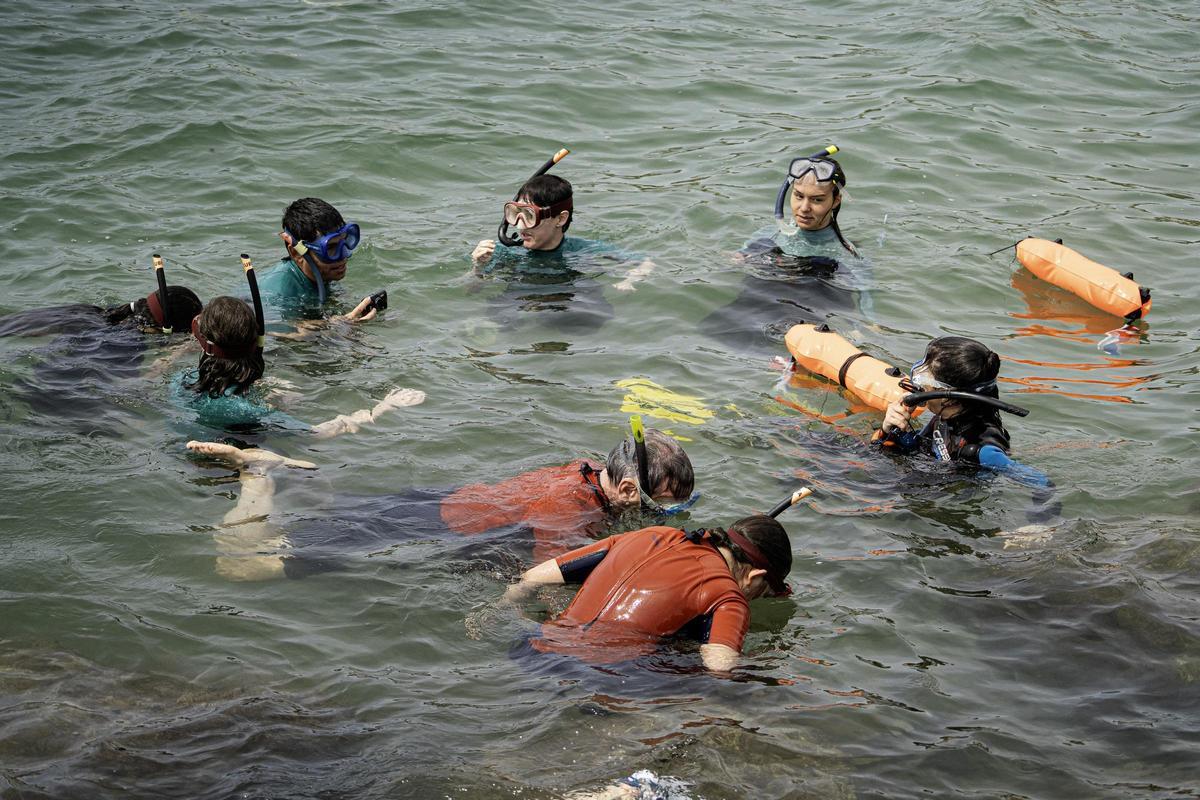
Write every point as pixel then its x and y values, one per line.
pixel 163 309
pixel 643 462
pixel 789 501
pixel 918 398
pixel 256 298
pixel 787 183
pixel 502 231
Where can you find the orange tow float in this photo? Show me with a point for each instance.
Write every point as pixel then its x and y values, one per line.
pixel 818 349
pixel 1103 287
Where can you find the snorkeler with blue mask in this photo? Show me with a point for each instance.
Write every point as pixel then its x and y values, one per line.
pixel 319 243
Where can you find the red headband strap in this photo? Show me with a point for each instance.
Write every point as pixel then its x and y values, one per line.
pixel 759 561
pixel 156 309
pixel 559 207
pixel 214 349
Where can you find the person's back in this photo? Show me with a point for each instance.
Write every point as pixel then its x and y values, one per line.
pixel 656 581
pixel 561 505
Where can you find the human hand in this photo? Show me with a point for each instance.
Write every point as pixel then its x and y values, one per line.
pixel 399 398
pixel 896 417
pixel 361 313
pixel 483 251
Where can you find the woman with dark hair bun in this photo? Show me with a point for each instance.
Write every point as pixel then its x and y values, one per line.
pixel 144 314
pixel 641 586
pixel 965 426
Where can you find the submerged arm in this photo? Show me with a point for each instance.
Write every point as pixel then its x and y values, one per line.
pixel 718 657
pixel 546 573
pixel 350 423
pixel 634 275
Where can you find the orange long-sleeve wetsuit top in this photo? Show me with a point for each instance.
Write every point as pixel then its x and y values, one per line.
pixel 641 586
pixel 562 506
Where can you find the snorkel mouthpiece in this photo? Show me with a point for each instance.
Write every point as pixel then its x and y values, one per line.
pixel 161 314
pixel 787 185
pixel 502 231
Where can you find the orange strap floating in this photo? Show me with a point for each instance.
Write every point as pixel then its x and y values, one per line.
pixel 820 350
pixel 1103 287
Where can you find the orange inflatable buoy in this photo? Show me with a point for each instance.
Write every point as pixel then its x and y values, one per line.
pixel 820 350
pixel 1103 287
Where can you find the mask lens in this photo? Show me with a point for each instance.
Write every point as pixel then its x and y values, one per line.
pixel 353 237
pixel 802 166
pixel 520 213
pixel 923 378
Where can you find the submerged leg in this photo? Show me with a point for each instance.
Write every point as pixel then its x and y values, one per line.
pixel 245 532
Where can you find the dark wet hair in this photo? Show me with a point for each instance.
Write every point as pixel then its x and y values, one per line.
pixel 669 467
pixel 963 363
pixel 767 535
pixel 182 302
pixel 546 190
pixel 310 217
pixel 230 323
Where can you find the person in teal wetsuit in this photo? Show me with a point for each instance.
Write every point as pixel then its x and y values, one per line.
pixel 222 392
pixel 546 270
pixel 319 243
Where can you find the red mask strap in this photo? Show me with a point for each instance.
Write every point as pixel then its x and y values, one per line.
pixel 758 561
pixel 156 310
pixel 558 208
pixel 214 349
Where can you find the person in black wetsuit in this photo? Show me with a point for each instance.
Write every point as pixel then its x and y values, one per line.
pixel 962 429
pixel 94 348
pixel 144 315
pixel 803 268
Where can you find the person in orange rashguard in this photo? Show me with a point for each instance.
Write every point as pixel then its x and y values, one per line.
pixel 642 586
pixel 562 506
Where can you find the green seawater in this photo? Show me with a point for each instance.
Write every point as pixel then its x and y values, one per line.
pixel 923 654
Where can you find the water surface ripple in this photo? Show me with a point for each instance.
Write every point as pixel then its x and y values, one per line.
pixel 922 655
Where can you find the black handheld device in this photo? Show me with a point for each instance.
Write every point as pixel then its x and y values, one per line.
pixel 378 300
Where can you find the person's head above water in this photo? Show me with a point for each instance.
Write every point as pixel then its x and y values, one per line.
pixel 815 187
pixel 228 333
pixel 182 306
pixel 761 555
pixel 956 363
pixel 318 239
pixel 542 212
pixel 669 468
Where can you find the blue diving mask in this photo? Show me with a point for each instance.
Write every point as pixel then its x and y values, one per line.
pixel 335 246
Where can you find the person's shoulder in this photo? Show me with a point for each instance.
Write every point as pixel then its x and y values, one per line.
pixel 578 244
pixel 285 278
